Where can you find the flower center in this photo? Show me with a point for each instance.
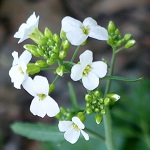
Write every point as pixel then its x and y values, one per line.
pixel 21 71
pixel 75 126
pixel 85 29
pixel 41 96
pixel 86 70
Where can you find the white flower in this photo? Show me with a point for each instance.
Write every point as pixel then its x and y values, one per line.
pixel 18 70
pixel 27 28
pixel 42 103
pixel 77 32
pixel 72 130
pixel 88 71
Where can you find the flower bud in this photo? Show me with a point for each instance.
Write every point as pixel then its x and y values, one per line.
pixel 98 119
pixel 111 27
pixel 88 97
pixel 117 32
pixel 130 44
pixel 40 51
pixel 51 88
pixel 81 116
pixel 32 69
pixel 56 49
pixel 56 38
pixel 48 33
pixel 41 63
pixel 63 35
pixel 62 54
pixel 127 37
pixel 50 61
pixel 65 45
pixel 107 101
pixel 96 110
pixel 113 97
pixel 60 70
pixel 97 93
pixel 89 111
pixel 103 111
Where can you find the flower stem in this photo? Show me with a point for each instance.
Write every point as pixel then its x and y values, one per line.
pixel 107 117
pixel 75 53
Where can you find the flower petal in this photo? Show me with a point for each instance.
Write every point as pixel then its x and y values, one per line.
pixel 91 81
pixel 64 125
pixel 41 84
pixel 37 107
pixel 98 33
pixel 89 22
pixel 86 58
pixel 16 59
pixel 76 36
pixel 32 20
pixel 25 57
pixel 99 68
pixel 69 23
pixel 78 122
pixel 51 106
pixel 29 86
pixel 85 135
pixel 72 135
pixel 76 72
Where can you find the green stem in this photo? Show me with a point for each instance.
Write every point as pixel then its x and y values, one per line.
pixel 75 53
pixel 107 117
pixel 55 79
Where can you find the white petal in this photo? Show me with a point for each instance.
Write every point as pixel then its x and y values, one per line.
pixel 29 86
pixel 99 68
pixel 16 59
pixel 85 135
pixel 91 81
pixel 89 22
pixel 76 72
pixel 76 36
pixel 68 23
pixel 25 57
pixel 98 33
pixel 64 125
pixel 37 107
pixel 86 58
pixel 78 122
pixel 51 106
pixel 72 135
pixel 32 20
pixel 41 84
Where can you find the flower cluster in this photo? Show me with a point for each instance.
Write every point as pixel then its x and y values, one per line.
pixel 52 49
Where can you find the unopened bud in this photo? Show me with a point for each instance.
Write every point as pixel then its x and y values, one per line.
pixel 41 63
pixel 88 97
pixel 111 27
pixel 107 101
pixel 65 45
pixel 62 54
pixel 130 44
pixel 32 69
pixel 48 33
pixel 56 38
pixel 113 97
pixel 127 37
pixel 97 93
pixel 60 70
pixel 89 111
pixel 63 35
pixel 50 61
pixel 98 119
pixel 81 116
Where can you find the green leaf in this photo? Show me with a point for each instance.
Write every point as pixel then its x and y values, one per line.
pixel 40 132
pixel 122 78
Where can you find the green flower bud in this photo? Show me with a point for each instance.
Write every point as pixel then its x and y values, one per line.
pixel 88 97
pixel 50 42
pixel 98 119
pixel 103 111
pixel 53 55
pixel 63 35
pixel 111 27
pixel 62 54
pixel 65 45
pixel 51 88
pixel 88 104
pixel 113 97
pixel 48 33
pixel 60 70
pixel 96 110
pixel 117 32
pixel 81 116
pixel 32 69
pixel 127 37
pixel 110 41
pixel 42 41
pixel 107 101
pixel 89 111
pixel 130 44
pixel 97 93
pixel 50 61
pixel 120 42
pixel 41 63
pixel 56 49
pixel 40 51
pixel 56 38
pixel 101 100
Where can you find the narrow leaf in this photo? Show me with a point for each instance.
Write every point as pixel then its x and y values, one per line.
pixel 122 78
pixel 40 132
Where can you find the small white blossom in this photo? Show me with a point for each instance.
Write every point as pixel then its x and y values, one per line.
pixel 42 103
pixel 88 71
pixel 27 28
pixel 18 70
pixel 77 32
pixel 72 130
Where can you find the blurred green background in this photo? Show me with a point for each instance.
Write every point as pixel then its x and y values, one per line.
pixel 130 115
